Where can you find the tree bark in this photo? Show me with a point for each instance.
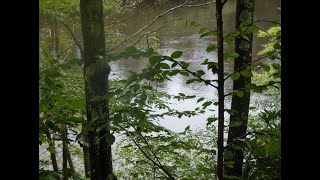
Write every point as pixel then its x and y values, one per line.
pixel 96 74
pixel 220 89
pixel 244 14
pixel 68 154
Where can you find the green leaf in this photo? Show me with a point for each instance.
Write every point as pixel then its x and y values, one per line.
pixel 154 59
pixel 202 30
pixel 212 47
pixel 254 29
pixel 164 66
pixel 231 54
pixel 208 103
pixel 174 64
pixel 213 33
pixel 187 128
pixel 200 99
pixel 181 94
pixel 149 52
pixel 176 54
pixel 237 147
pixel 200 72
pixel 277 46
pixel 235 76
pixel 185 64
pixel 184 73
pixel 246 73
pixel 191 81
pixel 211 119
pixel 235 124
pixel 229 40
pixel 143 97
pixel 192 23
pixel 190 97
pixel 51 149
pixel 240 93
pixel 110 139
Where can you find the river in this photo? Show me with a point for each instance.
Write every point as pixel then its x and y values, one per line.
pixel 176 36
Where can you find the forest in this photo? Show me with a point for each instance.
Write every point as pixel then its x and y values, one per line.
pixel 159 89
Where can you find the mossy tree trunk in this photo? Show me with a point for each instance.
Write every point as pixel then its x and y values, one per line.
pixel 244 15
pixel 96 73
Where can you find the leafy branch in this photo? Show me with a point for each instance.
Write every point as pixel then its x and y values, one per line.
pixel 193 73
pixel 249 24
pixel 244 66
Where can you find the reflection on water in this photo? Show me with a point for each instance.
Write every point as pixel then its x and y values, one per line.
pixel 180 37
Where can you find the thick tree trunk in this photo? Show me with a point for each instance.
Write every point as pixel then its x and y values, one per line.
pixel 96 74
pixel 220 89
pixel 244 14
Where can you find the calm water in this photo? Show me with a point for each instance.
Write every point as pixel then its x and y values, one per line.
pixel 177 36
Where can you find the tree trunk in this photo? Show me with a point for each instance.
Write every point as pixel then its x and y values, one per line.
pixel 96 73
pixel 86 156
pixel 56 36
pixel 220 89
pixel 69 158
pixel 64 153
pixel 244 14
pixel 52 155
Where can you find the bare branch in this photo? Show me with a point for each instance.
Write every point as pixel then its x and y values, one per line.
pixel 147 33
pixel 244 66
pixel 130 16
pixel 74 37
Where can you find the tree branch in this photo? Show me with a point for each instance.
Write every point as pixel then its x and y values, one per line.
pixel 228 145
pixel 244 66
pixel 245 88
pixel 201 79
pixel 74 37
pixel 154 20
pixel 146 155
pixel 146 142
pixel 130 16
pixel 224 2
pixel 250 25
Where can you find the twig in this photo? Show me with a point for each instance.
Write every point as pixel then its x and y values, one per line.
pixel 244 66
